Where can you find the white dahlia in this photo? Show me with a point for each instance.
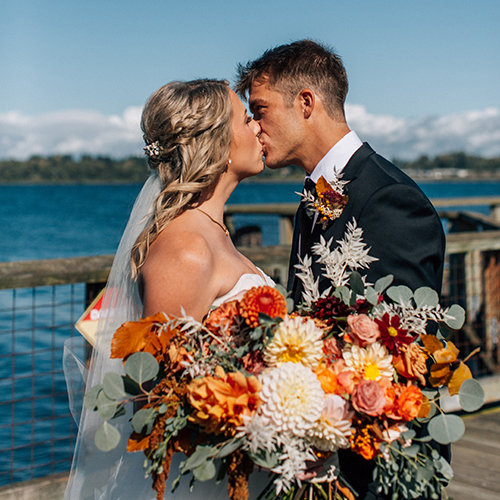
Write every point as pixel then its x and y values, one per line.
pixel 292 398
pixel 297 340
pixel 333 428
pixel 259 433
pixel 371 362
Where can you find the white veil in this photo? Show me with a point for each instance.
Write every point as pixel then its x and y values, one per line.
pixel 115 474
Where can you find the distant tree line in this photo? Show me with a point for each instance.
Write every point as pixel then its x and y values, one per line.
pixel 459 161
pixel 61 169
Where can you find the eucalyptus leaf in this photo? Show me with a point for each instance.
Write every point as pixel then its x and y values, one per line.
pixel 264 458
pixel 425 296
pixel 458 314
pixel 107 437
pixel 290 306
pixel 205 472
pixel 143 420
pixel 425 472
pixel 343 293
pixel 372 296
pixel 229 447
pixel 105 406
pixel 409 434
pixel 400 294
pixel 141 367
pixel 120 410
pixel 356 282
pixel 281 289
pixel 382 283
pixel 201 455
pixel 113 386
pixel 90 398
pixel 130 386
pixel 471 395
pixel 443 332
pixel 412 450
pixel 446 429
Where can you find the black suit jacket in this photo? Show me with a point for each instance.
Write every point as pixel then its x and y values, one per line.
pixel 404 232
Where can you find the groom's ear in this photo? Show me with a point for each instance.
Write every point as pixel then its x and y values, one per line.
pixel 307 100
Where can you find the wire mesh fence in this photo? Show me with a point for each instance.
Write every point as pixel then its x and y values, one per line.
pixel 37 431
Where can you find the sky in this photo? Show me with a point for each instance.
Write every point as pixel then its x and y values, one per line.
pixel 424 75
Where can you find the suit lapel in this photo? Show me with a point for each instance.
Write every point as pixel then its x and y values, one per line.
pixel 336 228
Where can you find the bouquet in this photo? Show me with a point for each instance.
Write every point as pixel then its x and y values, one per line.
pixel 263 384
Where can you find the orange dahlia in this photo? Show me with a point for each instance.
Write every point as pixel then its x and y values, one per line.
pixel 262 299
pixel 221 401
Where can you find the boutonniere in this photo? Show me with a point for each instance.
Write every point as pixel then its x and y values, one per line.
pixel 328 201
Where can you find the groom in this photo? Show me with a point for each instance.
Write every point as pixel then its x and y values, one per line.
pixel 296 93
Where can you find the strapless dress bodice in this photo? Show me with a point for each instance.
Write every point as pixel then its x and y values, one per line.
pixel 245 282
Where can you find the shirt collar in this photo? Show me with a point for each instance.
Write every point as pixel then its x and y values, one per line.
pixel 332 164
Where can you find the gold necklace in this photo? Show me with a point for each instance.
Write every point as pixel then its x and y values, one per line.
pixel 222 226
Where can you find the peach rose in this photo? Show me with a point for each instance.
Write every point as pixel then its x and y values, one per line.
pixel 363 329
pixel 332 348
pixel 369 398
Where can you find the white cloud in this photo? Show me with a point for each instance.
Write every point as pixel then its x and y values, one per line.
pixel 90 132
pixel 474 132
pixel 70 132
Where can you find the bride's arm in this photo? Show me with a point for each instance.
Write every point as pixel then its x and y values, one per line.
pixel 179 272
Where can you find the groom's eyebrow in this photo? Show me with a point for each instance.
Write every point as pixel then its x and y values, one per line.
pixel 255 102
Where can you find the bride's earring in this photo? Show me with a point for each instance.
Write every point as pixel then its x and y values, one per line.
pixel 229 161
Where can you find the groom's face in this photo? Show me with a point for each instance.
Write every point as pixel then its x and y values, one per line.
pixel 281 134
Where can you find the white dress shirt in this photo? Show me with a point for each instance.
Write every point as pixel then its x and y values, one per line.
pixel 332 164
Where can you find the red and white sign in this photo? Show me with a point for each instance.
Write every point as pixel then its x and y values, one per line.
pixel 87 324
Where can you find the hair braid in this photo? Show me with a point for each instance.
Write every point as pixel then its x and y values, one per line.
pixel 191 123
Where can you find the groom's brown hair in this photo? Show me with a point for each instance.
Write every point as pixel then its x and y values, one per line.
pixel 293 67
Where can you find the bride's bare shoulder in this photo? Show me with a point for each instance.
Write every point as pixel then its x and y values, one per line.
pixel 179 247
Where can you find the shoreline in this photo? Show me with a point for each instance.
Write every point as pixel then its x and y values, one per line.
pixel 250 180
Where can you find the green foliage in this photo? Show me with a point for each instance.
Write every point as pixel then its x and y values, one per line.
pixel 400 294
pixel 476 164
pixel 458 317
pixel 107 437
pixel 446 429
pixel 65 169
pixel 426 296
pixel 471 395
pixel 141 367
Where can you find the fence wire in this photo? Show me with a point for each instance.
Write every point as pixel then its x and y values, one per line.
pixel 37 431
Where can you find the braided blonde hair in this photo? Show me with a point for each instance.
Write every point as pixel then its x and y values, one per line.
pixel 190 124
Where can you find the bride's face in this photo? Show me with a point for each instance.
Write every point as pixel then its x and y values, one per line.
pixel 246 150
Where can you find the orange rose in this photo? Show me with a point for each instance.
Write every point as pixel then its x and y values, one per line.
pixel 409 402
pixel 221 401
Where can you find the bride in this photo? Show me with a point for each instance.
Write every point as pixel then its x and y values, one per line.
pixel 175 253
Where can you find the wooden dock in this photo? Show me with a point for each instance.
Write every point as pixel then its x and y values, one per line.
pixel 476 459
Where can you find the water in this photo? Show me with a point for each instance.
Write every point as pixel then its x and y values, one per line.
pixel 43 222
